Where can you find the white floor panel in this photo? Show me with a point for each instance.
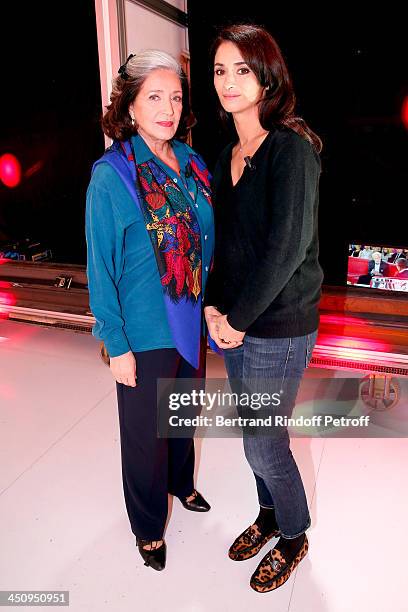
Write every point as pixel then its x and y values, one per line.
pixel 64 524
pixel 49 379
pixel 62 508
pixel 357 555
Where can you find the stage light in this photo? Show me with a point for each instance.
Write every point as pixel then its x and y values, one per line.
pixel 10 170
pixel 404 112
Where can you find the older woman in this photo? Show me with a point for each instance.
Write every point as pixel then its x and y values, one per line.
pixel 149 229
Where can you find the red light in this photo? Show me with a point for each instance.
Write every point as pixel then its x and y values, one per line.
pixel 404 112
pixel 7 299
pixel 10 170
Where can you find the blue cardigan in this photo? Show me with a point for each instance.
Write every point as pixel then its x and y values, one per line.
pixel 125 292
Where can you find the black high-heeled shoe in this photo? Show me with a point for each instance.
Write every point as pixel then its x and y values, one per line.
pixel 155 557
pixel 197 504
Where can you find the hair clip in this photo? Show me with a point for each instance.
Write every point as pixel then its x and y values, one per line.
pixel 122 69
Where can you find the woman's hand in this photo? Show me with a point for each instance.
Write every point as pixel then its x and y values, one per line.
pixel 123 369
pixel 227 335
pixel 211 315
pixel 213 318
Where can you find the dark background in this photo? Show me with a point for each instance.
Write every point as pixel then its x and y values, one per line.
pixel 51 99
pixel 348 68
pixel 350 79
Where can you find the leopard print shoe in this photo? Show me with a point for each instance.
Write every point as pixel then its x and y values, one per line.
pixel 249 543
pixel 273 570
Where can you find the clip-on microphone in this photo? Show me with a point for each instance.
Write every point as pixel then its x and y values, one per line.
pixel 248 162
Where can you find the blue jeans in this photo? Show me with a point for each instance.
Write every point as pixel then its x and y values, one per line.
pixel 277 477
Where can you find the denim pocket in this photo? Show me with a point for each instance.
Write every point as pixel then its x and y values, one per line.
pixel 268 358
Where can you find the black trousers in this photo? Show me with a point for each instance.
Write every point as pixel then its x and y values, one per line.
pixel 152 467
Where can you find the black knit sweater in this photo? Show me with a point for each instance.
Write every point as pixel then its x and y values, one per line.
pixel 266 275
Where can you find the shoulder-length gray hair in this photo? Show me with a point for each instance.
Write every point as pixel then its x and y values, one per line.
pixel 116 122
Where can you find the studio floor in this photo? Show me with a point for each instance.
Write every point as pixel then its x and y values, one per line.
pixel 64 525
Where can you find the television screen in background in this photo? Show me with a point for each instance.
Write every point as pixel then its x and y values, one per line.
pixel 378 267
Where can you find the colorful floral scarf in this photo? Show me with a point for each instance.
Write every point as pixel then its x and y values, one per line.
pixel 174 232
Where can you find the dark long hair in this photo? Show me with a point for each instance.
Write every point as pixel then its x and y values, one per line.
pixel 262 54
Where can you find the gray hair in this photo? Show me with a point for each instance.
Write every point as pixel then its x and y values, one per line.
pixel 143 63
